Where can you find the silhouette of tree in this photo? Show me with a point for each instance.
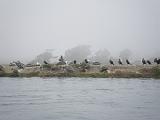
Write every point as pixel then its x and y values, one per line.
pixel 78 53
pixel 101 56
pixel 46 56
pixel 125 54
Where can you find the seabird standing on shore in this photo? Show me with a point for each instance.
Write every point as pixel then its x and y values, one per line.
pixel 111 62
pixel 143 61
pixel 120 62
pixel 127 61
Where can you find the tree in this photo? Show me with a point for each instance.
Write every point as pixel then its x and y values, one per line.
pixel 46 56
pixel 78 53
pixel 101 56
pixel 125 54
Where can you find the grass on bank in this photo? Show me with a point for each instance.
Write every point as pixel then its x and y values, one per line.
pixel 153 72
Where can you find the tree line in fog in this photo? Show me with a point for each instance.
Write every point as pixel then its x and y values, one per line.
pixel 81 52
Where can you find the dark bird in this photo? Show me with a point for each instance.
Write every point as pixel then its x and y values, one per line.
pixel 74 61
pixel 120 62
pixel 127 61
pixel 61 59
pixel 45 62
pixel 111 62
pixel 86 61
pixel 157 61
pixel 148 62
pixel 143 61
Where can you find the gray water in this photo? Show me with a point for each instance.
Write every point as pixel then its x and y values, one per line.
pixel 79 99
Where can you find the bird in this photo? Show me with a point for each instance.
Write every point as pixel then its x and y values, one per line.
pixel 86 61
pixel 127 61
pixel 45 62
pixel 157 61
pixel 74 61
pixel 120 62
pixel 143 61
pixel 148 62
pixel 111 62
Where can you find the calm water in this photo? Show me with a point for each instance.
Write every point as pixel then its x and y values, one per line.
pixel 79 99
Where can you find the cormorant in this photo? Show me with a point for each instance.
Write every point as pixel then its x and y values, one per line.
pixel 45 62
pixel 111 62
pixel 120 62
pixel 127 61
pixel 61 59
pixel 86 61
pixel 143 61
pixel 148 62
pixel 74 61
pixel 157 61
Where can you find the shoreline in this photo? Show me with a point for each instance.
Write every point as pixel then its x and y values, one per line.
pixel 107 71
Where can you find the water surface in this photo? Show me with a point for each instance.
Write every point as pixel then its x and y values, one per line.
pixel 79 99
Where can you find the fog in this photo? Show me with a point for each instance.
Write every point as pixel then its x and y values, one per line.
pixel 29 27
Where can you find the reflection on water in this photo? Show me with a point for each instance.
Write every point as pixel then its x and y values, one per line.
pixel 79 99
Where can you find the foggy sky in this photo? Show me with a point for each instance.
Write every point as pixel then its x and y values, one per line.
pixel 29 27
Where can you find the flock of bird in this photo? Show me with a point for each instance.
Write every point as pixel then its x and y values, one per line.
pixel 156 60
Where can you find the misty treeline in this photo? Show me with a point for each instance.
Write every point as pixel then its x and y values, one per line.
pixel 46 56
pixel 81 52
